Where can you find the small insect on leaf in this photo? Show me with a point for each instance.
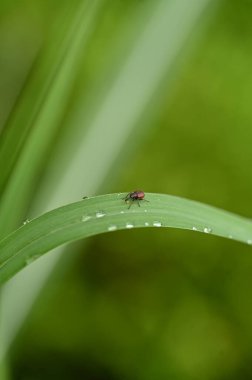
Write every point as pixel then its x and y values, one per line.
pixel 135 196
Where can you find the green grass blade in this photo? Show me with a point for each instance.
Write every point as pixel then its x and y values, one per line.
pixel 109 213
pixel 46 114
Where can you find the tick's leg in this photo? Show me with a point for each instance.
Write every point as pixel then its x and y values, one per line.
pixel 138 203
pixel 127 197
pixel 130 205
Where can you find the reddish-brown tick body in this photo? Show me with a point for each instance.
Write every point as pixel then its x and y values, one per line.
pixel 137 195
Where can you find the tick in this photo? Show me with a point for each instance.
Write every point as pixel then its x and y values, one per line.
pixel 135 196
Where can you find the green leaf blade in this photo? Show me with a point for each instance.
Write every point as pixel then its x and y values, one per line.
pixel 109 213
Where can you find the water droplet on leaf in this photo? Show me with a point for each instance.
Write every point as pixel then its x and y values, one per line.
pixel 112 228
pixel 207 230
pixel 129 225
pixel 85 218
pixel 157 224
pixel 100 214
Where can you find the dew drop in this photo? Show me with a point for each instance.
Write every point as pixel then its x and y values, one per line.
pixel 146 224
pixel 157 224
pixel 100 214
pixel 230 236
pixel 129 225
pixel 26 222
pixel 207 230
pixel 145 210
pixel 249 241
pixel 121 212
pixel 112 228
pixel 85 218
pixel 194 229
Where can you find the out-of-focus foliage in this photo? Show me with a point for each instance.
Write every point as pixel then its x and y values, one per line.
pixel 151 304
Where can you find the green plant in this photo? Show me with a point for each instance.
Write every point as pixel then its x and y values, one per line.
pixel 107 213
pixel 96 83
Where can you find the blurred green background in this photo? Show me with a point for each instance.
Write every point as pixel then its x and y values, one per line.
pixel 146 304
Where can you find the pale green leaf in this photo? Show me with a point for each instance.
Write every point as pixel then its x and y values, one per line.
pixel 109 213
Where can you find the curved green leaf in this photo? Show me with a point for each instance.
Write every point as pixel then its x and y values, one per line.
pixel 107 213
